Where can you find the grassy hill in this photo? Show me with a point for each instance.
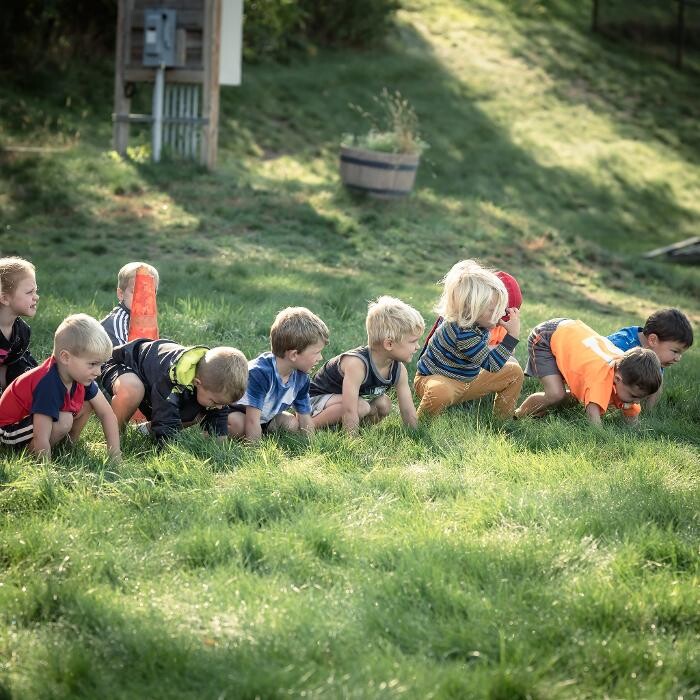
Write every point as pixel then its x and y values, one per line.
pixel 532 559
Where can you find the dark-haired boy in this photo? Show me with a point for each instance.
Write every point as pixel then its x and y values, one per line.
pixel 567 352
pixel 667 332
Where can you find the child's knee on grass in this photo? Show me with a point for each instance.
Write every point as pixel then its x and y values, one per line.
pixel 236 424
pixel 381 407
pixel 61 427
pixel 511 373
pixel 284 421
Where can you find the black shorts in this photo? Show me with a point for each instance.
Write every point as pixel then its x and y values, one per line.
pixel 19 434
pixel 111 372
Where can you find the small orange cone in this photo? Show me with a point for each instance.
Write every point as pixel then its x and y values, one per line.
pixel 144 312
pixel 144 315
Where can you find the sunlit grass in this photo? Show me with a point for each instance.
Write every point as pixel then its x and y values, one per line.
pixel 470 559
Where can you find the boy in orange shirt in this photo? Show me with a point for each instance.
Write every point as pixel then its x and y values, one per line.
pixel 564 351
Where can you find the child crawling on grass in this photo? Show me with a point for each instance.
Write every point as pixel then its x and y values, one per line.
pixel 667 332
pixel 564 352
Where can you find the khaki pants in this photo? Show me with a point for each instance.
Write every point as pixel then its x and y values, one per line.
pixel 438 392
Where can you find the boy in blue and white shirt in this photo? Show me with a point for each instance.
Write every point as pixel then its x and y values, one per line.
pixel 667 332
pixel 279 380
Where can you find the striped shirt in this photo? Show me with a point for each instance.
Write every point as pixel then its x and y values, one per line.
pixel 461 353
pixel 116 323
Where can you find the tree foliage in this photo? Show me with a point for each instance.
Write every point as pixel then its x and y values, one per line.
pixel 41 33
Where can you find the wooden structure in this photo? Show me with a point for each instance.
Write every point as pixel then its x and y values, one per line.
pixel 190 114
pixel 378 174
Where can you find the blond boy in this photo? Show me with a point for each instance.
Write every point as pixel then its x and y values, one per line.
pixel 53 401
pixel 116 322
pixel 179 386
pixel 353 386
pixel 279 379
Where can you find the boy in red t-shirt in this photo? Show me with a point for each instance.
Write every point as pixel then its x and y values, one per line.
pixel 563 351
pixel 53 401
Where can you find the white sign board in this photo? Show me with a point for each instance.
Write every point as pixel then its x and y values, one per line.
pixel 231 44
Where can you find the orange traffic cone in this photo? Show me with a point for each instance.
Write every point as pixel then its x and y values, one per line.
pixel 144 312
pixel 144 315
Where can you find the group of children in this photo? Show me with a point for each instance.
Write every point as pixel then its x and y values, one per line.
pixel 468 355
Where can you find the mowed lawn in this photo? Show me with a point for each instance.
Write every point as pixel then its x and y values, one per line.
pixel 468 559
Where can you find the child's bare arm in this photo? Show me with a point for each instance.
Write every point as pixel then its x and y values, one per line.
pixel 253 431
pixel 652 400
pixel 41 442
pixel 110 426
pixel 593 412
pixel 353 376
pixel 405 400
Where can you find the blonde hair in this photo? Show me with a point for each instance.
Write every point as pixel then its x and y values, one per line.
pixel 641 368
pixel 468 290
pixel 224 370
pixel 82 335
pixel 295 328
pixel 12 271
pixel 128 273
pixel 389 318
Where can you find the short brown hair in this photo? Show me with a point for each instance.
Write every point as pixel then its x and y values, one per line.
pixel 224 370
pixel 640 367
pixel 295 328
pixel 670 324
pixel 12 271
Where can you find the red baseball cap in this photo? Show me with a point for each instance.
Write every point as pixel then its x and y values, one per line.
pixel 515 296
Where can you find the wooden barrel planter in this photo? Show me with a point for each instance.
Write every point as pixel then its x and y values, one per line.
pixel 380 175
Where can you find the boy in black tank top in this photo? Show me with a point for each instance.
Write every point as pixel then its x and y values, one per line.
pixel 353 386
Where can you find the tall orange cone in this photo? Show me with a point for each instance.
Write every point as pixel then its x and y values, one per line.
pixel 144 312
pixel 144 315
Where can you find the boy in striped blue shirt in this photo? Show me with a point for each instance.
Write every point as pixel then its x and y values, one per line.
pixel 458 364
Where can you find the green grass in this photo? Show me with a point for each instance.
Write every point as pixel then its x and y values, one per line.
pixel 537 559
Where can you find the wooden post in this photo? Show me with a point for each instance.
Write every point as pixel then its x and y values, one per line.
pixel 210 85
pixel 122 103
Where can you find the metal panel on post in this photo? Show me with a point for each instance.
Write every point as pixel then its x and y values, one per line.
pixel 178 50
